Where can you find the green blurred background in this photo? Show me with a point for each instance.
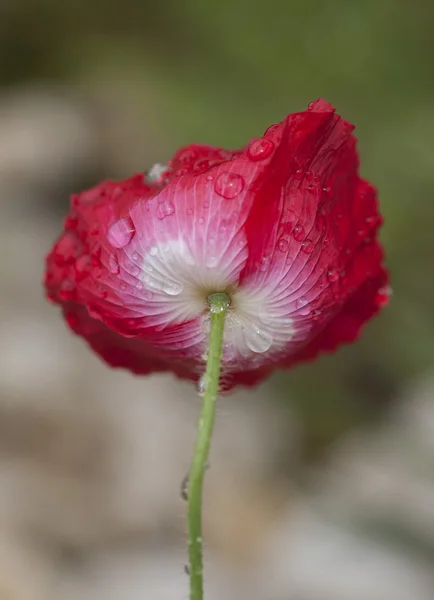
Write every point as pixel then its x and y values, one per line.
pixel 220 73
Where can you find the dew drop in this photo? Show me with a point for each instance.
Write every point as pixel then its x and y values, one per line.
pixel 139 285
pixel 271 129
pixel 135 256
pixel 135 270
pixel 165 209
pixel 257 339
pixel 172 288
pixel 260 149
pixel 113 264
pixel 308 246
pixel 223 226
pixel 211 260
pixel 189 211
pixel 298 174
pixel 123 286
pixel 206 324
pixel 298 233
pixel 149 295
pixel 201 385
pixel 153 251
pixel 332 275
pixel 283 244
pixel 264 264
pixel 209 177
pixel 229 185
pixel 302 305
pixel 221 304
pixel 121 232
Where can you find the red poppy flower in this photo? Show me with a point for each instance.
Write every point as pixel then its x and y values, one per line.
pixel 286 227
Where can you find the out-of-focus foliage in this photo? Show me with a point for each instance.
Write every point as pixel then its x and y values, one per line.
pixel 220 73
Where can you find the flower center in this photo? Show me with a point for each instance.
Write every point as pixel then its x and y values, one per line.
pixel 181 281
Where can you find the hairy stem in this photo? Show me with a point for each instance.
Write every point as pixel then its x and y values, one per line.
pixel 218 304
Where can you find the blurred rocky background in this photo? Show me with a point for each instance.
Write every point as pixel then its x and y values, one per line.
pixel 321 484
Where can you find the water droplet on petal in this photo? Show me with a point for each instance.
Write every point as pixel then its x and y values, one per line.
pixel 135 256
pixel 265 262
pixel 258 339
pixel 308 246
pixel 121 232
pixel 189 211
pixel 332 275
pixel 209 177
pixel 223 226
pixel 229 185
pixel 260 149
pixel 302 305
pixel 165 208
pixel 113 264
pixel 135 270
pixel 124 286
pixel 283 244
pixel 272 129
pixel 139 285
pixel 153 251
pixel 211 260
pixel 298 233
pixel 172 288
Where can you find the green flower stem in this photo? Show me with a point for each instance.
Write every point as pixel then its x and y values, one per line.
pixel 218 304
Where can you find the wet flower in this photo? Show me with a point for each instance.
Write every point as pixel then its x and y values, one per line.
pixel 285 227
